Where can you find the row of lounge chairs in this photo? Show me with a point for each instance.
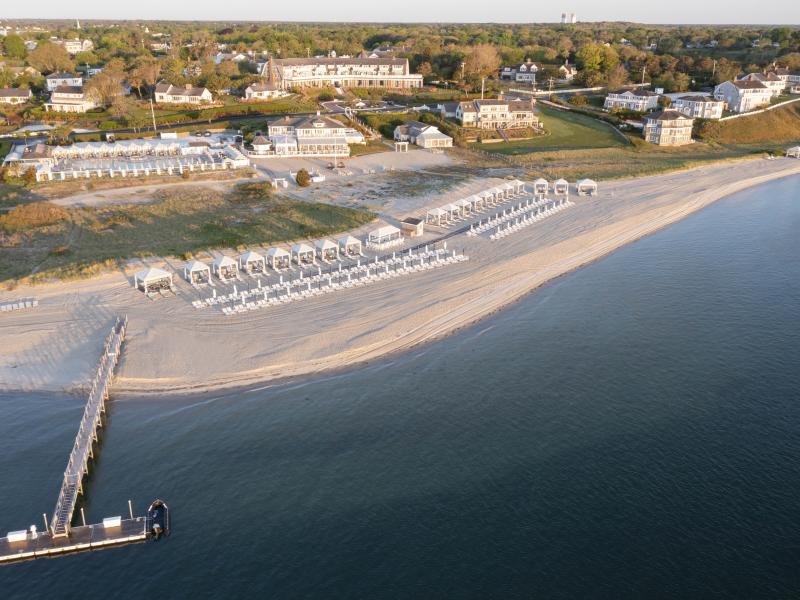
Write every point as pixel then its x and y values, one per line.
pixel 528 206
pixel 19 305
pixel 550 208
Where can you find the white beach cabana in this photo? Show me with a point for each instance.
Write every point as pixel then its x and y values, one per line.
pixel 518 186
pixel 586 187
pixel 453 211
pixel 465 204
pixel 153 279
pixel 327 250
pixel 436 215
pixel 303 254
pixel 540 186
pixel 349 246
pixel 561 187
pixel 278 258
pixel 196 271
pixel 793 152
pixel 252 262
pixel 385 237
pixel 225 268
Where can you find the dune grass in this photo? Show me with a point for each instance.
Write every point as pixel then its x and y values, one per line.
pixel 179 223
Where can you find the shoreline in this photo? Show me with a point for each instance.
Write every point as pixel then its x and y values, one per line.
pixel 429 310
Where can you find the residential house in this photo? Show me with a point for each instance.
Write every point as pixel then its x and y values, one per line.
pixel 74 46
pixel 55 80
pixel 261 90
pixel 312 136
pixel 494 114
pixel 567 72
pixel 221 57
pixel 166 93
pixel 743 96
pixel 392 73
pixel 447 110
pixel 17 71
pixel 775 84
pixel 790 77
pixel 14 95
pixel 699 107
pixel 423 135
pixel 668 128
pixel 70 99
pixel 522 73
pixel 638 100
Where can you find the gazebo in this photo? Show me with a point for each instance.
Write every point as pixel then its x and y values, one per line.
pixel 327 250
pixel 252 262
pixel 225 268
pixel 435 215
pixel 385 237
pixel 793 152
pixel 540 186
pixel 586 187
pixel 153 279
pixel 465 205
pixel 196 272
pixel 453 211
pixel 303 254
pixel 561 187
pixel 349 246
pixel 278 258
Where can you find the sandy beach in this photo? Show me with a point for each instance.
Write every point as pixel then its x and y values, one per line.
pixel 174 348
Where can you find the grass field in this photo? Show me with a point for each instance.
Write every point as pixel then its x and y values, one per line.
pixel 778 126
pixel 565 131
pixel 89 240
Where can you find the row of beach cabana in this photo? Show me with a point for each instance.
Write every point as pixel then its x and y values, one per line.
pixel 253 263
pixel 560 187
pixel 475 203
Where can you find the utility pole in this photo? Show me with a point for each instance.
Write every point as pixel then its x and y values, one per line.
pixel 714 70
pixel 644 70
pixel 153 114
pixel 463 64
pixel 483 81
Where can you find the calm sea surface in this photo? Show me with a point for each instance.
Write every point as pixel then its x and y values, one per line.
pixel 630 431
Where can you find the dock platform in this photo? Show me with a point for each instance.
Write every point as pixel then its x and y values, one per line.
pixel 80 539
pixel 59 536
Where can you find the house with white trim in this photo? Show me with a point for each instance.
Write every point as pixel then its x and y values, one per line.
pixel 790 77
pixel 668 128
pixel 423 135
pixel 15 95
pixel 497 114
pixel 166 93
pixel 318 135
pixel 55 80
pixel 699 107
pixel 263 91
pixel 743 96
pixel 521 73
pixel 638 100
pixel 567 72
pixel 75 45
pixel 342 71
pixel 70 99
pixel 775 84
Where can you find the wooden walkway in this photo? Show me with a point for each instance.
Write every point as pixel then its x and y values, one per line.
pixel 83 450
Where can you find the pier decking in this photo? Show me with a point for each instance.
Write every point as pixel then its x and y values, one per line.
pixel 60 537
pixel 83 450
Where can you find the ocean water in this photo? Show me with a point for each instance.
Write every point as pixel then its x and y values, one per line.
pixel 631 430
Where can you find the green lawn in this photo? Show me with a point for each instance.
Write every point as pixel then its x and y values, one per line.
pixel 180 222
pixel 565 131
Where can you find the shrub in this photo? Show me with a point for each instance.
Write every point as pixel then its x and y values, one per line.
pixel 185 175
pixel 35 214
pixel 303 178
pixel 29 176
pixel 578 100
pixel 325 97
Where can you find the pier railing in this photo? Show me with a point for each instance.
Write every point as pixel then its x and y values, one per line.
pixel 82 450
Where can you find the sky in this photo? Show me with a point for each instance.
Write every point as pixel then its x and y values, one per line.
pixel 507 11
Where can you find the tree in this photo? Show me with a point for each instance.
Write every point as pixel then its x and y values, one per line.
pixel 425 69
pixel 578 100
pixel 146 72
pixel 14 46
pixel 303 178
pixel 121 107
pixel 105 86
pixel 616 77
pixel 482 61
pixel 49 57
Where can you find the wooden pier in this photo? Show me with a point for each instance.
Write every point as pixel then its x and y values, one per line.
pixel 92 420
pixel 60 537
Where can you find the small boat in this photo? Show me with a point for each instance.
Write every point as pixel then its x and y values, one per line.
pixel 158 519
